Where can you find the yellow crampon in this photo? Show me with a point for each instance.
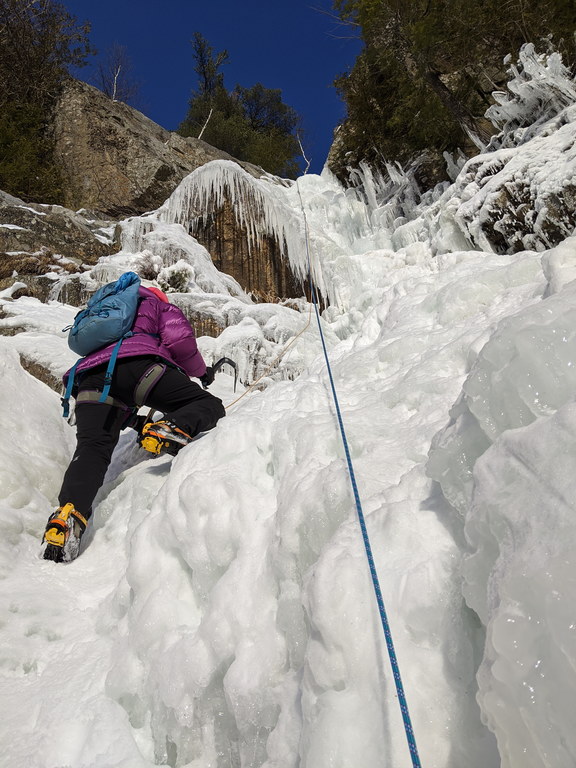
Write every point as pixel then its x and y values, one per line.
pixel 162 437
pixel 58 527
pixel 152 443
pixel 150 440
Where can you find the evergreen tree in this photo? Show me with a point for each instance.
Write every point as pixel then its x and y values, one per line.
pixel 39 41
pixel 251 124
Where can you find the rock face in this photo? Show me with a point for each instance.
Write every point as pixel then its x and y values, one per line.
pixel 259 268
pixel 39 239
pixel 116 160
pixel 116 163
pixel 31 228
pixel 521 198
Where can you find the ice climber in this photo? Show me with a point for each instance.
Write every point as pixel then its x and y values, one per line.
pixel 153 369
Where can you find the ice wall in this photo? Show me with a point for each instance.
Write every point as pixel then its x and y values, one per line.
pixel 506 462
pixel 341 236
pixel 247 626
pixel 267 206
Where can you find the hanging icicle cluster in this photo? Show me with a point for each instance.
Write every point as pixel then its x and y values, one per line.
pixel 259 205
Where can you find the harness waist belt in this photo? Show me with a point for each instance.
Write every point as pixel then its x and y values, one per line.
pixel 148 380
pixel 94 396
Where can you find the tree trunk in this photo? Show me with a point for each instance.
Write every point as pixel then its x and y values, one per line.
pixel 476 129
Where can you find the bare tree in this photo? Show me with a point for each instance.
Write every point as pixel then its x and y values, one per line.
pixel 115 75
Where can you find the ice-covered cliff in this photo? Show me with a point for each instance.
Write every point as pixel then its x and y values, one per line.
pixel 221 613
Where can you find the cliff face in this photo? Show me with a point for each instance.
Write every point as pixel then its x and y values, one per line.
pixel 259 267
pixel 116 160
pixel 42 243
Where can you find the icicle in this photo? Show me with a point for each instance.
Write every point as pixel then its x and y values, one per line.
pixel 259 205
pixel 540 88
pixel 338 220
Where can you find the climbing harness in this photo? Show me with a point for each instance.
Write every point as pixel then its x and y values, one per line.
pixel 375 581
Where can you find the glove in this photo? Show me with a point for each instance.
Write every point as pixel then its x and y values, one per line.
pixel 208 377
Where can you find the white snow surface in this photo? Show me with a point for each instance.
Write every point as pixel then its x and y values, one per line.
pixel 221 613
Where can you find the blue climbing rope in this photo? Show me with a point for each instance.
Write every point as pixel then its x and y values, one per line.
pixel 375 581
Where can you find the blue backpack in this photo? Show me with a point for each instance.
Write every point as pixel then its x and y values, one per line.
pixel 108 318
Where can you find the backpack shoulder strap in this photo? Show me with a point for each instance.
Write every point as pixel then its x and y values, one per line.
pixel 65 400
pixel 110 368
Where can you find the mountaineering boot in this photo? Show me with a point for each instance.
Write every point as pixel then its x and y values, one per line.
pixel 64 529
pixel 163 437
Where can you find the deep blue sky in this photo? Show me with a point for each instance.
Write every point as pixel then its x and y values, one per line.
pixel 286 44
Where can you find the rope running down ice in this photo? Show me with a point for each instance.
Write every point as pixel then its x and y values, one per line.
pixel 375 581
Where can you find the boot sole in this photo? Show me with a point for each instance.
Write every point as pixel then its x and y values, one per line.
pixel 54 553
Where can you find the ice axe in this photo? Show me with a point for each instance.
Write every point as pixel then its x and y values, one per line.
pixel 223 361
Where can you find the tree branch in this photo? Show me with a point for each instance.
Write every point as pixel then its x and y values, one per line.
pixel 206 123
pixel 303 154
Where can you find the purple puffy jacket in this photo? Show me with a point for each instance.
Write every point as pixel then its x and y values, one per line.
pixel 160 330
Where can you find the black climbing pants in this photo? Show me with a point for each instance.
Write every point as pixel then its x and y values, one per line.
pixel 98 425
